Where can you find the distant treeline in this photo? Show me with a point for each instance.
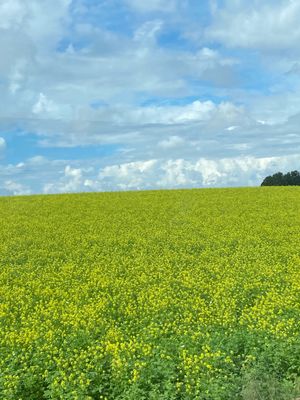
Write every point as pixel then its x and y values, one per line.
pixel 280 179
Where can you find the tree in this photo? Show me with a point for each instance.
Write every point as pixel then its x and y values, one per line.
pixel 279 179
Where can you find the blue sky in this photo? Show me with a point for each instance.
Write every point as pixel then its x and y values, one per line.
pixel 126 94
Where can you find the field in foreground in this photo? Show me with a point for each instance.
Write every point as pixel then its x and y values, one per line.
pixel 151 295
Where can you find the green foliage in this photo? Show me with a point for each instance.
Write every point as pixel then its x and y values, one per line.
pixel 280 179
pixel 163 295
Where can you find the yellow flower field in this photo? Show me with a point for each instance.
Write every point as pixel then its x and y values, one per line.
pixel 184 294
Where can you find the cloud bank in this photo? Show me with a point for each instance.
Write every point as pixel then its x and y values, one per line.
pixel 128 94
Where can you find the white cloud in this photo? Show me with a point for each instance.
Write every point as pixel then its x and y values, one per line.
pixel 43 105
pixel 241 147
pixel 75 173
pixel 148 31
pixel 29 33
pixel 16 77
pixel 37 161
pixel 54 94
pixel 49 92
pixel 132 175
pixel 40 20
pixel 172 141
pixel 73 180
pixel 211 172
pixel 203 172
pixel 12 14
pixel 59 177
pixel 169 115
pixel 14 188
pixel 124 170
pixel 175 173
pixel 89 183
pixel 231 128
pixel 55 100
pixel 272 25
pixel 131 125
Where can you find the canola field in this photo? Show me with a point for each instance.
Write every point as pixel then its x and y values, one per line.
pixel 185 294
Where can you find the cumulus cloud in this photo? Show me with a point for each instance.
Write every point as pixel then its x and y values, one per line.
pixel 134 175
pixel 10 187
pixel 61 177
pixel 201 172
pixel 72 181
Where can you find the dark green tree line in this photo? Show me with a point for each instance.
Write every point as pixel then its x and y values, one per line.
pixel 279 179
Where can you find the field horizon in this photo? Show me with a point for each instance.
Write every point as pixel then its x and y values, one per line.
pixel 139 191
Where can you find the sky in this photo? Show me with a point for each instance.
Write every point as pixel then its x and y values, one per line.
pixel 105 95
